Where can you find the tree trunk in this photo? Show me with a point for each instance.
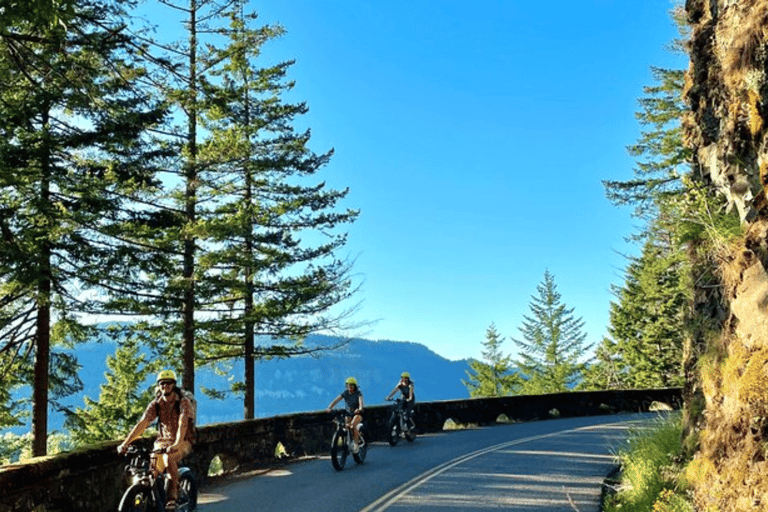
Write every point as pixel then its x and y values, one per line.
pixel 188 381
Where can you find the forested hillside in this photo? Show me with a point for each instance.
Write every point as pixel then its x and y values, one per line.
pixel 296 384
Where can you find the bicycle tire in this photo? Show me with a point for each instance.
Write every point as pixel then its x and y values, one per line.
pixel 394 432
pixel 339 451
pixel 137 498
pixel 187 501
pixel 361 452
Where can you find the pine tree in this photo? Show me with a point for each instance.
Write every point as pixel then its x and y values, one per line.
pixel 160 308
pixel 72 154
pixel 662 158
pixel 38 13
pixel 493 376
pixel 647 320
pixel 244 247
pixel 552 343
pixel 268 268
pixel 121 402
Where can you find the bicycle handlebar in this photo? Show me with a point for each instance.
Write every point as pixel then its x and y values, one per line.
pixel 135 449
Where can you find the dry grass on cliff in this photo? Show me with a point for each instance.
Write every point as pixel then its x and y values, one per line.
pixel 743 58
pixel 732 260
pixel 730 471
pixel 743 40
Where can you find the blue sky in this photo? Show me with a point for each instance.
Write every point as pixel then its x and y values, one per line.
pixel 474 137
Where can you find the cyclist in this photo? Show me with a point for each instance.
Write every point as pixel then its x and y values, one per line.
pixel 405 387
pixel 353 400
pixel 172 410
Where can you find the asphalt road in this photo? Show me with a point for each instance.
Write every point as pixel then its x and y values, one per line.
pixel 552 466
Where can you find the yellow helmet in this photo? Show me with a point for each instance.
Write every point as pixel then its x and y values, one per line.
pixel 166 375
pixel 405 375
pixel 351 380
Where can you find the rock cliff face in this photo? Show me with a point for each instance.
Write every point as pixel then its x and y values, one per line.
pixel 727 91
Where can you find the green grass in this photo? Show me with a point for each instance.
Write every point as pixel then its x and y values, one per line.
pixel 651 475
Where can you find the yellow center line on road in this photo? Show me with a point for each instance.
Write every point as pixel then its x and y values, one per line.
pixel 394 495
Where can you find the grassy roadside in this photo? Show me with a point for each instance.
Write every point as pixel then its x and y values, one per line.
pixel 652 475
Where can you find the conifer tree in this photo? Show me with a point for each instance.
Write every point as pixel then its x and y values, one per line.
pixel 38 13
pixel 661 157
pixel 246 245
pixel 646 321
pixel 72 154
pixel 646 328
pixel 122 400
pixel 269 269
pixel 552 343
pixel 494 375
pixel 160 308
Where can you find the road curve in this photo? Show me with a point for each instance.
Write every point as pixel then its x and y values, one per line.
pixel 554 465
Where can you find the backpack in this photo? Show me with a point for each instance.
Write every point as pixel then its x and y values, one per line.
pixel 192 420
pixel 191 429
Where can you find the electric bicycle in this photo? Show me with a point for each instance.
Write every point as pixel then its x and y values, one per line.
pixel 400 424
pixel 343 441
pixel 149 489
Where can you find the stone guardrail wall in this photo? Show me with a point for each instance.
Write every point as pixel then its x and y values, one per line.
pixel 92 479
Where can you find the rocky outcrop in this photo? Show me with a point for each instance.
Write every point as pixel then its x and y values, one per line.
pixel 727 91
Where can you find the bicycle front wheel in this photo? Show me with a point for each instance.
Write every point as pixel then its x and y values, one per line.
pixel 339 451
pixel 137 498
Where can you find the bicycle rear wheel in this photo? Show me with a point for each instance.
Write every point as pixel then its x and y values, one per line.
pixel 187 501
pixel 339 451
pixel 394 432
pixel 360 455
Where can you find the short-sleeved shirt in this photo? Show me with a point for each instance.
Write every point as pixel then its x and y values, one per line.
pixel 352 400
pixel 169 415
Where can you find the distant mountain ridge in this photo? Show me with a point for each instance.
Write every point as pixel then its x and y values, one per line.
pixel 303 383
pixel 308 383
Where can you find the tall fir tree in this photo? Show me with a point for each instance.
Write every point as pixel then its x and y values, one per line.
pixel 72 154
pixel 269 268
pixel 161 307
pixel 661 157
pixel 494 375
pixel 552 347
pixel 647 321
